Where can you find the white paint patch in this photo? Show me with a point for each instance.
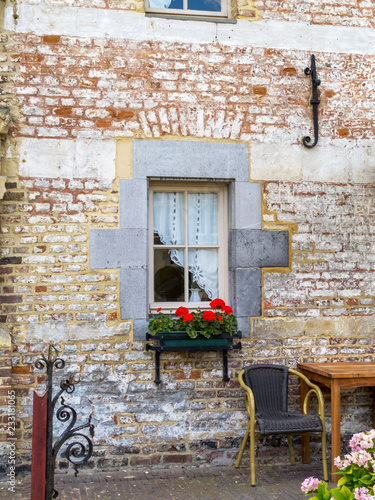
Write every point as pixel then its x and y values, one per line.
pixel 119 24
pixel 339 161
pixel 61 332
pixel 68 158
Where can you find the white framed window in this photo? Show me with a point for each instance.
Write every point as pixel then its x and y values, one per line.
pixel 188 257
pixel 190 8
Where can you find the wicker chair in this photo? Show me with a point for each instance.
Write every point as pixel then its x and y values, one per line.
pixel 266 400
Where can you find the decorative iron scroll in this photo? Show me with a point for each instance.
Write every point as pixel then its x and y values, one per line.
pixel 314 102
pixel 77 452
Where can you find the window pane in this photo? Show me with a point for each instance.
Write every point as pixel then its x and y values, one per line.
pixel 169 275
pixel 166 4
pixel 169 218
pixel 207 5
pixel 203 271
pixel 203 218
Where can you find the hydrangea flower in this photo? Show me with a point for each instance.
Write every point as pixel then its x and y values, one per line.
pixel 310 485
pixel 362 494
pixel 357 469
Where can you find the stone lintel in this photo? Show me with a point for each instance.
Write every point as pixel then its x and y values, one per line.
pixel 188 159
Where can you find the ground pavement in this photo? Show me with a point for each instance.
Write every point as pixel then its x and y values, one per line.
pixel 274 482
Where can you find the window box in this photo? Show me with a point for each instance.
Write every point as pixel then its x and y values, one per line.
pixel 180 341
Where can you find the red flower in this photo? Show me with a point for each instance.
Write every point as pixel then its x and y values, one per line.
pixel 158 309
pixel 227 310
pixel 188 317
pixel 208 316
pixel 217 304
pixel 181 311
pixel 220 318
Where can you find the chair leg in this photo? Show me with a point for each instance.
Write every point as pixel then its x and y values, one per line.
pixel 324 457
pixel 291 452
pixel 243 446
pixel 252 453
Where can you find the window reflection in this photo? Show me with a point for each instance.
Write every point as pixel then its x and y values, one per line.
pixel 207 5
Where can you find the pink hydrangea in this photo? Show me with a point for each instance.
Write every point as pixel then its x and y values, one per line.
pixel 362 441
pixel 354 442
pixel 310 484
pixel 362 494
pixel 337 462
pixel 361 458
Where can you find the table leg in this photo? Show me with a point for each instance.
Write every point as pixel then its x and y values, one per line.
pixel 305 439
pixel 373 410
pixel 335 426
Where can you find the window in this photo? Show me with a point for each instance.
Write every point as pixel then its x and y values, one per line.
pixel 206 8
pixel 188 244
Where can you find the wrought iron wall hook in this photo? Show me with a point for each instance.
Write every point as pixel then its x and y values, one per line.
pixel 77 453
pixel 315 103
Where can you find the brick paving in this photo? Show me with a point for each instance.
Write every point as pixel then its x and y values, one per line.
pixel 274 482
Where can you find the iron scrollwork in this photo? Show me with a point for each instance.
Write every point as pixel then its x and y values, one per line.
pixel 314 102
pixel 77 453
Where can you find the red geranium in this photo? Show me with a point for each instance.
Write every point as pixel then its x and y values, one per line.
pixel 217 304
pixel 219 319
pixel 208 316
pixel 181 311
pixel 227 310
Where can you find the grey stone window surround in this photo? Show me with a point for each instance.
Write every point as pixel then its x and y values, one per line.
pixel 249 247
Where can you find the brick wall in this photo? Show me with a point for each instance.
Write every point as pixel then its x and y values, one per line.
pixel 71 87
pixel 332 267
pixel 321 309
pixel 194 417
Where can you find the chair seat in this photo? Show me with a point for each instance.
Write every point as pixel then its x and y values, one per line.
pixel 280 422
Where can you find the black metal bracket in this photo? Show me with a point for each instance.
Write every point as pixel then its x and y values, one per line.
pixel 76 452
pixel 314 102
pixel 160 347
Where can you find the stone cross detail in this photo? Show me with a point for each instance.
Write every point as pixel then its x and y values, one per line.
pixel 250 248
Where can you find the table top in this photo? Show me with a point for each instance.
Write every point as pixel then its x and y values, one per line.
pixel 341 369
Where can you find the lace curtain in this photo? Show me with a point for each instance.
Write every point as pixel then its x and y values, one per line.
pixel 202 222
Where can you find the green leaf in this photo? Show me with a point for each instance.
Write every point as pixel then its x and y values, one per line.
pixel 322 488
pixel 342 480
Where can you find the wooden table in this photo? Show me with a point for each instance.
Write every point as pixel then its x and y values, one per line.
pixel 336 376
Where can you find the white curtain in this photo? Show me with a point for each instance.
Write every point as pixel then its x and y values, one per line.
pixel 202 230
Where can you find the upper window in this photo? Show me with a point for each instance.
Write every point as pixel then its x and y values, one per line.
pixel 188 245
pixel 210 8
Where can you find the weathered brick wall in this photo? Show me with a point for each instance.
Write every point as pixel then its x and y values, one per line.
pixel 71 87
pixel 45 228
pixel 333 263
pixel 67 87
pixel 194 417
pixel 346 13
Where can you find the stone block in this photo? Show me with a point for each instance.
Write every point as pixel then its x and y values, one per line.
pixel 140 328
pixel 247 292
pixel 246 205
pixel 68 158
pixel 263 328
pixel 114 248
pixel 258 248
pixel 133 203
pixel 134 293
pixel 198 160
pixel 244 326
pixel 105 249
